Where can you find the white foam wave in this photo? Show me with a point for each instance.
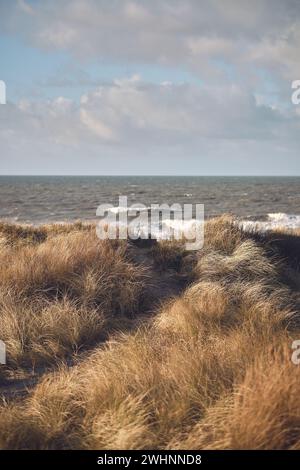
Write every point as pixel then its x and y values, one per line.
pixel 166 229
pixel 274 221
pixel 122 209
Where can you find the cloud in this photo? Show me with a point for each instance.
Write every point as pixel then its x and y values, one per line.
pixel 136 120
pixel 172 32
pixel 235 113
pixel 96 126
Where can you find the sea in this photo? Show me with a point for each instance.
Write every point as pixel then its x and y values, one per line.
pixel 267 202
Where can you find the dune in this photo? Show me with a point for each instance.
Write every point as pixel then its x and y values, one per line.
pixel 111 345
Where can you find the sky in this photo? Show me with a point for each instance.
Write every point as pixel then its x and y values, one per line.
pixel 160 87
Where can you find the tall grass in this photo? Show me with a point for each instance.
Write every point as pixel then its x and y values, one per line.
pixel 211 369
pixel 60 292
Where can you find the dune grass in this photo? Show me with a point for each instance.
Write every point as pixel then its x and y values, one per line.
pixel 210 369
pixel 63 290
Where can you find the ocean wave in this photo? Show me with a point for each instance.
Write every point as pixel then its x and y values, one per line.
pixel 122 209
pixel 162 229
pixel 273 221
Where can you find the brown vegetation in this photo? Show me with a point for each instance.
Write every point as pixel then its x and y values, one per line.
pixel 211 368
pixel 62 291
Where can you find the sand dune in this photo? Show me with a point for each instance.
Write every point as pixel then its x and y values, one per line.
pixel 115 346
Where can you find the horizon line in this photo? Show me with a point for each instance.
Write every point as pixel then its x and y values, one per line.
pixel 154 175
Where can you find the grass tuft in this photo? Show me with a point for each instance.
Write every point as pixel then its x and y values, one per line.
pixel 211 368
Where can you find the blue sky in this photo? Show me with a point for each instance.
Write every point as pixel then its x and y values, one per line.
pixel 39 74
pixel 137 87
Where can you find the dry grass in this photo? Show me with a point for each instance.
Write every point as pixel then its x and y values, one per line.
pixel 43 332
pixel 212 369
pixel 168 254
pixel 63 292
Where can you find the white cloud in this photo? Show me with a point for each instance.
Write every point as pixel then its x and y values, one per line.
pixel 133 119
pixel 96 126
pixel 173 32
pixel 237 48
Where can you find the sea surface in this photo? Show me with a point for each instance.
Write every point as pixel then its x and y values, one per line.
pixel 270 201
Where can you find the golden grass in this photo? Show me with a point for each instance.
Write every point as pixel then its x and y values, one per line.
pixel 211 369
pixel 168 254
pixel 42 333
pixel 64 292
